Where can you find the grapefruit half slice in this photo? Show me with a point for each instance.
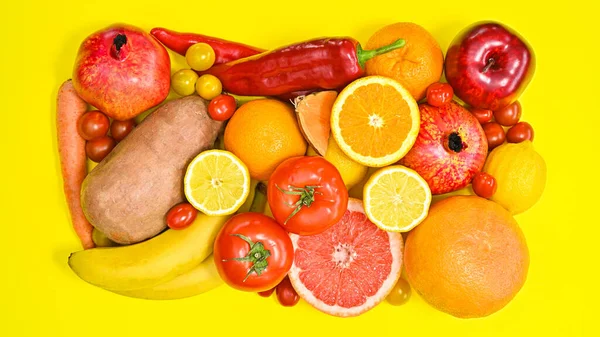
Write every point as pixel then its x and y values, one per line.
pixel 349 268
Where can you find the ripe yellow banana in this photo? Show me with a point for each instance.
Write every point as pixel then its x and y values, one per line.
pixel 201 279
pixel 151 262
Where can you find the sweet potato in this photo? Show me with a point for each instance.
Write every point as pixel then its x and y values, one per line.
pixel 128 194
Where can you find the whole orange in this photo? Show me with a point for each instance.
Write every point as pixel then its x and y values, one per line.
pixel 263 133
pixel 468 258
pixel 416 65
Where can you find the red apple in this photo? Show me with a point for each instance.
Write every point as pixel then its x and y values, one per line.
pixel 450 149
pixel 489 65
pixel 122 71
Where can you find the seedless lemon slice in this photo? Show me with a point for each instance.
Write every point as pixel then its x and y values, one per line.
pixel 216 182
pixel 375 121
pixel 396 198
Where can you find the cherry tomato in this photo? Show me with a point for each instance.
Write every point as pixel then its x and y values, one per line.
pixel 520 132
pixel 307 195
pixel 200 56
pixel 208 86
pixel 439 94
pixel 494 134
pixel 98 148
pixel 484 185
pixel 183 82
pixel 400 294
pixel 120 129
pixel 266 293
pixel 92 125
pixel 286 294
pixel 252 252
pixel 222 107
pixel 509 115
pixel 181 216
pixel 483 115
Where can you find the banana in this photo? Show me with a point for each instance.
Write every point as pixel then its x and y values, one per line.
pixel 151 262
pixel 201 279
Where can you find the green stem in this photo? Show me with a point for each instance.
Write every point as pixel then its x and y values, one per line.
pixel 257 255
pixel 365 55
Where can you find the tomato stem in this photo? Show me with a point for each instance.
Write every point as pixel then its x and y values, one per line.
pixel 307 197
pixel 257 254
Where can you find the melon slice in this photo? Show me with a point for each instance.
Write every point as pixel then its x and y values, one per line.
pixel 314 114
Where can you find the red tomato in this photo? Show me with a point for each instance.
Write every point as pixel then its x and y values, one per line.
pixel 494 134
pixel 92 125
pixel 484 185
pixel 222 107
pixel 286 294
pixel 252 252
pixel 483 115
pixel 181 216
pixel 266 293
pixel 439 94
pixel 509 115
pixel 520 132
pixel 98 148
pixel 120 129
pixel 307 195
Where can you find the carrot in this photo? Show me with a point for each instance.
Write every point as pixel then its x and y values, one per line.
pixel 71 149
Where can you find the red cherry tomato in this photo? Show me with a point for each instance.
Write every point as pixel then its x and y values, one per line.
pixel 484 185
pixel 252 252
pixel 181 216
pixel 286 294
pixel 222 107
pixel 98 148
pixel 92 125
pixel 439 94
pixel 495 134
pixel 509 115
pixel 120 129
pixel 266 293
pixel 307 195
pixel 520 132
pixel 483 115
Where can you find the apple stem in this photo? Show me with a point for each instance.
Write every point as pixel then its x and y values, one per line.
pixel 489 64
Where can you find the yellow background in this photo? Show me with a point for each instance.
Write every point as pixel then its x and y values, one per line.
pixel 42 297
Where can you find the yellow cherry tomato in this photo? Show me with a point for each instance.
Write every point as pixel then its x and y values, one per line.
pixel 200 56
pixel 183 82
pixel 208 86
pixel 400 293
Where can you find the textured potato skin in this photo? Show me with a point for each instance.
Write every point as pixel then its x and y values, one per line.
pixel 127 195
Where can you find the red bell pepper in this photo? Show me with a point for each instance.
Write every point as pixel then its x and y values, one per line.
pixel 320 64
pixel 225 51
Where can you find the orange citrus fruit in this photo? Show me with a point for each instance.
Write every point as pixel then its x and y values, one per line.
pixel 468 258
pixel 375 121
pixel 416 65
pixel 263 133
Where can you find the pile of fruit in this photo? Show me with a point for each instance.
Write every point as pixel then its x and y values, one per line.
pixel 297 170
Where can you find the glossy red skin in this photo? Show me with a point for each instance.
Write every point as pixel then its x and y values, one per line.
pixel 126 83
pixel 257 227
pixel 483 115
pixel 93 124
pixel 120 129
pixel 330 203
pixel 225 51
pixel 97 149
pixel 222 107
pixel 484 185
pixel 444 169
pixel 439 94
pixel 509 115
pixel 504 82
pixel 494 133
pixel 286 294
pixel 327 63
pixel 181 216
pixel 266 293
pixel 520 132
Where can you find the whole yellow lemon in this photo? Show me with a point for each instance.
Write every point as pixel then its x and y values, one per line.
pixel 352 172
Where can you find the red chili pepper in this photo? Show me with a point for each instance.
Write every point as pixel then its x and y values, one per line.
pixel 328 63
pixel 225 51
